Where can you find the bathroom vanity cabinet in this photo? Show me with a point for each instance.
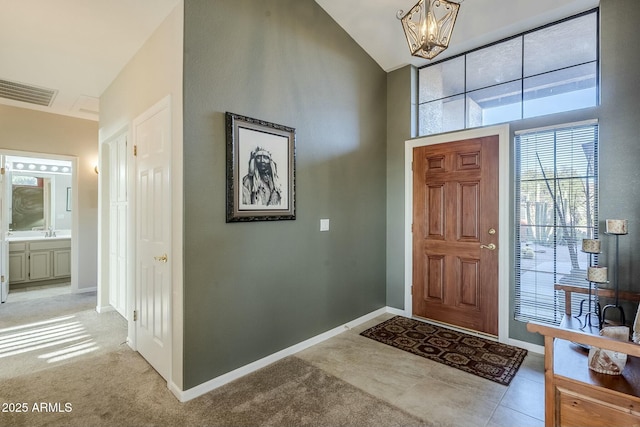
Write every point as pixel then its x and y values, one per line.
pixel 38 260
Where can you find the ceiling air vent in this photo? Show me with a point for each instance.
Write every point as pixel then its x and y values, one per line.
pixel 26 93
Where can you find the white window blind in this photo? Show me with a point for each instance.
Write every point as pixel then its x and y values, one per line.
pixel 556 207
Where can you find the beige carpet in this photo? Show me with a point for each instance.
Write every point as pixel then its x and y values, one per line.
pixel 112 385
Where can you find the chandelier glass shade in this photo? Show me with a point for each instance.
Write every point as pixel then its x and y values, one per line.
pixel 428 26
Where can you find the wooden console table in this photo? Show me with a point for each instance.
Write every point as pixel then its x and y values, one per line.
pixel 601 292
pixel 578 396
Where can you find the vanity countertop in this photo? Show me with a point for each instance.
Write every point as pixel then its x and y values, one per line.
pixel 34 238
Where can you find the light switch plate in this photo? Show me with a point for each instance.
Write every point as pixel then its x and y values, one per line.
pixel 324 225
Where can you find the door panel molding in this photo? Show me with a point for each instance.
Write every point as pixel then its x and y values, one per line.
pixel 434 288
pixel 468 203
pixel 152 137
pixel 438 166
pixel 435 204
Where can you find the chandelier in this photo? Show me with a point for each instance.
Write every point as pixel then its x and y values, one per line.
pixel 428 26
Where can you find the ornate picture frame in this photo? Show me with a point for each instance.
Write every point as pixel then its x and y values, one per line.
pixel 260 170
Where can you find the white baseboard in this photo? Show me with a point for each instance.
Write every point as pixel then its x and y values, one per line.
pixel 397 312
pixel 104 309
pixel 534 348
pixel 84 290
pixel 214 383
pixel 199 390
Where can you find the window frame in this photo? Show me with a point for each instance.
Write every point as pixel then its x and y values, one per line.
pixel 558 297
pixel 465 94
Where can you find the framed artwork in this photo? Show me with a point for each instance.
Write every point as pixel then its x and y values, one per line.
pixel 260 170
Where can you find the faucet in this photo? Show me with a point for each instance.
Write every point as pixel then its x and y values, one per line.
pixel 50 233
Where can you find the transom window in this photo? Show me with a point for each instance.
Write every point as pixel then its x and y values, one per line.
pixel 548 70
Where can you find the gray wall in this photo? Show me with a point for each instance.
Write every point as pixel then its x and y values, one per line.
pixel 401 104
pixel 619 120
pixel 252 289
pixel 620 137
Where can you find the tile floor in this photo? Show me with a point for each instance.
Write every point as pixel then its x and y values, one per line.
pixel 430 390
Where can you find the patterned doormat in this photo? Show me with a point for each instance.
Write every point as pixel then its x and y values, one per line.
pixel 482 357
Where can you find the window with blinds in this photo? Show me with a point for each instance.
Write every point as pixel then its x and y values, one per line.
pixel 556 207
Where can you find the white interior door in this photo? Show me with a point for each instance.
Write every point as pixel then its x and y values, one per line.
pixel 118 225
pixel 4 270
pixel 4 245
pixel 152 138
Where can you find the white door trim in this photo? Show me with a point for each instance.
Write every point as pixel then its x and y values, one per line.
pixel 503 212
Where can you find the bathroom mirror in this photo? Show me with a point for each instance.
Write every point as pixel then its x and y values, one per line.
pixel 28 204
pixel 39 196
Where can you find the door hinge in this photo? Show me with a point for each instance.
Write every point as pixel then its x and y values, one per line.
pixel 2 170
pixel 135 315
pixel 2 278
pixel 412 227
pixel 135 150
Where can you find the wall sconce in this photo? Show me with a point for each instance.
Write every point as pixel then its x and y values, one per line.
pixel 428 26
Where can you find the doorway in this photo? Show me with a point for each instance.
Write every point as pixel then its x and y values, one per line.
pixel 37 241
pixel 135 231
pixel 502 233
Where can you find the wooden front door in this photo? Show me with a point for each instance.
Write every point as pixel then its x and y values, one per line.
pixel 455 233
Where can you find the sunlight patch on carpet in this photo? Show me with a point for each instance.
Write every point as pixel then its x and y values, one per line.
pixel 62 337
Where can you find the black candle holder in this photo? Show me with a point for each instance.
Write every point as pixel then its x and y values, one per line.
pixel 592 300
pixel 616 305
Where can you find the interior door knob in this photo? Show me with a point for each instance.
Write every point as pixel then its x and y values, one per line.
pixel 161 258
pixel 490 246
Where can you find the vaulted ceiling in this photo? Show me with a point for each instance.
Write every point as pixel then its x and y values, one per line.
pixel 76 48
pixel 73 47
pixel 374 26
